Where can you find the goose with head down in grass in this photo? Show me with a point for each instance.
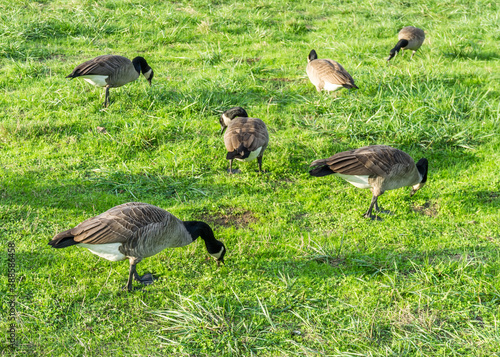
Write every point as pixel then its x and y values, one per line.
pixel 111 71
pixel 245 138
pixel 135 231
pixel 378 167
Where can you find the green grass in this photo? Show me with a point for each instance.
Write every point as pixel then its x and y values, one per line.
pixel 305 273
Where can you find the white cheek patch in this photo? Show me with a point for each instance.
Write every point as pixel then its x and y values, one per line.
pixel 226 119
pixel 418 186
pixel 148 74
pixel 252 155
pixel 96 80
pixel 107 251
pixel 218 255
pixel 360 181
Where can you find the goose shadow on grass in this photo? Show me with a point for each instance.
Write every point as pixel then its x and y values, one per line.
pixel 471 52
pixel 100 190
pixel 376 262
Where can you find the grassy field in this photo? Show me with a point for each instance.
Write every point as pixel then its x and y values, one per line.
pixel 305 274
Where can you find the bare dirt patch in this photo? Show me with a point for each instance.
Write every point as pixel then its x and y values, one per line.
pixel 231 217
pixel 252 60
pixel 332 261
pixel 428 209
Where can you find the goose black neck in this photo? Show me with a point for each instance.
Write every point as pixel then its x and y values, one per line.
pixel 422 167
pixel 236 112
pixel 140 64
pixel 201 229
pixel 401 43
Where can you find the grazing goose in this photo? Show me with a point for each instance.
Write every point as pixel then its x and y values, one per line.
pixel 136 231
pixel 327 74
pixel 377 167
pixel 410 38
pixel 112 71
pixel 245 138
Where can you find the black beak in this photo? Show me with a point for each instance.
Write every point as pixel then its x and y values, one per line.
pixel 222 130
pixel 220 261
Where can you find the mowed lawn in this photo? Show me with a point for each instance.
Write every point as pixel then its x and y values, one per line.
pixel 305 273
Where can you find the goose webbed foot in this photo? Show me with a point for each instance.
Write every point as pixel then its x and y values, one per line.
pixel 381 210
pixel 373 205
pixel 230 170
pixel 146 279
pixel 259 161
pixel 372 217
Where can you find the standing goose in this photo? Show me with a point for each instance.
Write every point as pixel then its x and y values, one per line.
pixel 136 231
pixel 245 138
pixel 410 38
pixel 327 74
pixel 377 167
pixel 112 71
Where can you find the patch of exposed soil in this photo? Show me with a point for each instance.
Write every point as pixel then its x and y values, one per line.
pixel 334 262
pixel 252 60
pixel 231 217
pixel 428 209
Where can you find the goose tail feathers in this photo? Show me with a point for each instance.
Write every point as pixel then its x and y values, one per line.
pixel 63 240
pixel 322 168
pixel 240 153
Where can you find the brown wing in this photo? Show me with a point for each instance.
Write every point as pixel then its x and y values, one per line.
pixel 116 225
pixel 375 160
pixel 102 65
pixel 330 71
pixel 252 132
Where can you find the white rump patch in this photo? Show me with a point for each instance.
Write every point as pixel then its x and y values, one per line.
pixel 96 80
pixel 252 155
pixel 107 251
pixel 332 87
pixel 217 255
pixel 360 181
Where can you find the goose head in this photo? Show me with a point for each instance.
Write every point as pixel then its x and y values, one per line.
pixel 422 167
pixel 312 56
pixel 229 115
pixel 219 256
pixel 147 72
pixel 148 75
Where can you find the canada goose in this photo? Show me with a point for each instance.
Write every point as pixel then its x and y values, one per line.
pixel 112 71
pixel 410 38
pixel 245 138
pixel 377 167
pixel 327 74
pixel 136 231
